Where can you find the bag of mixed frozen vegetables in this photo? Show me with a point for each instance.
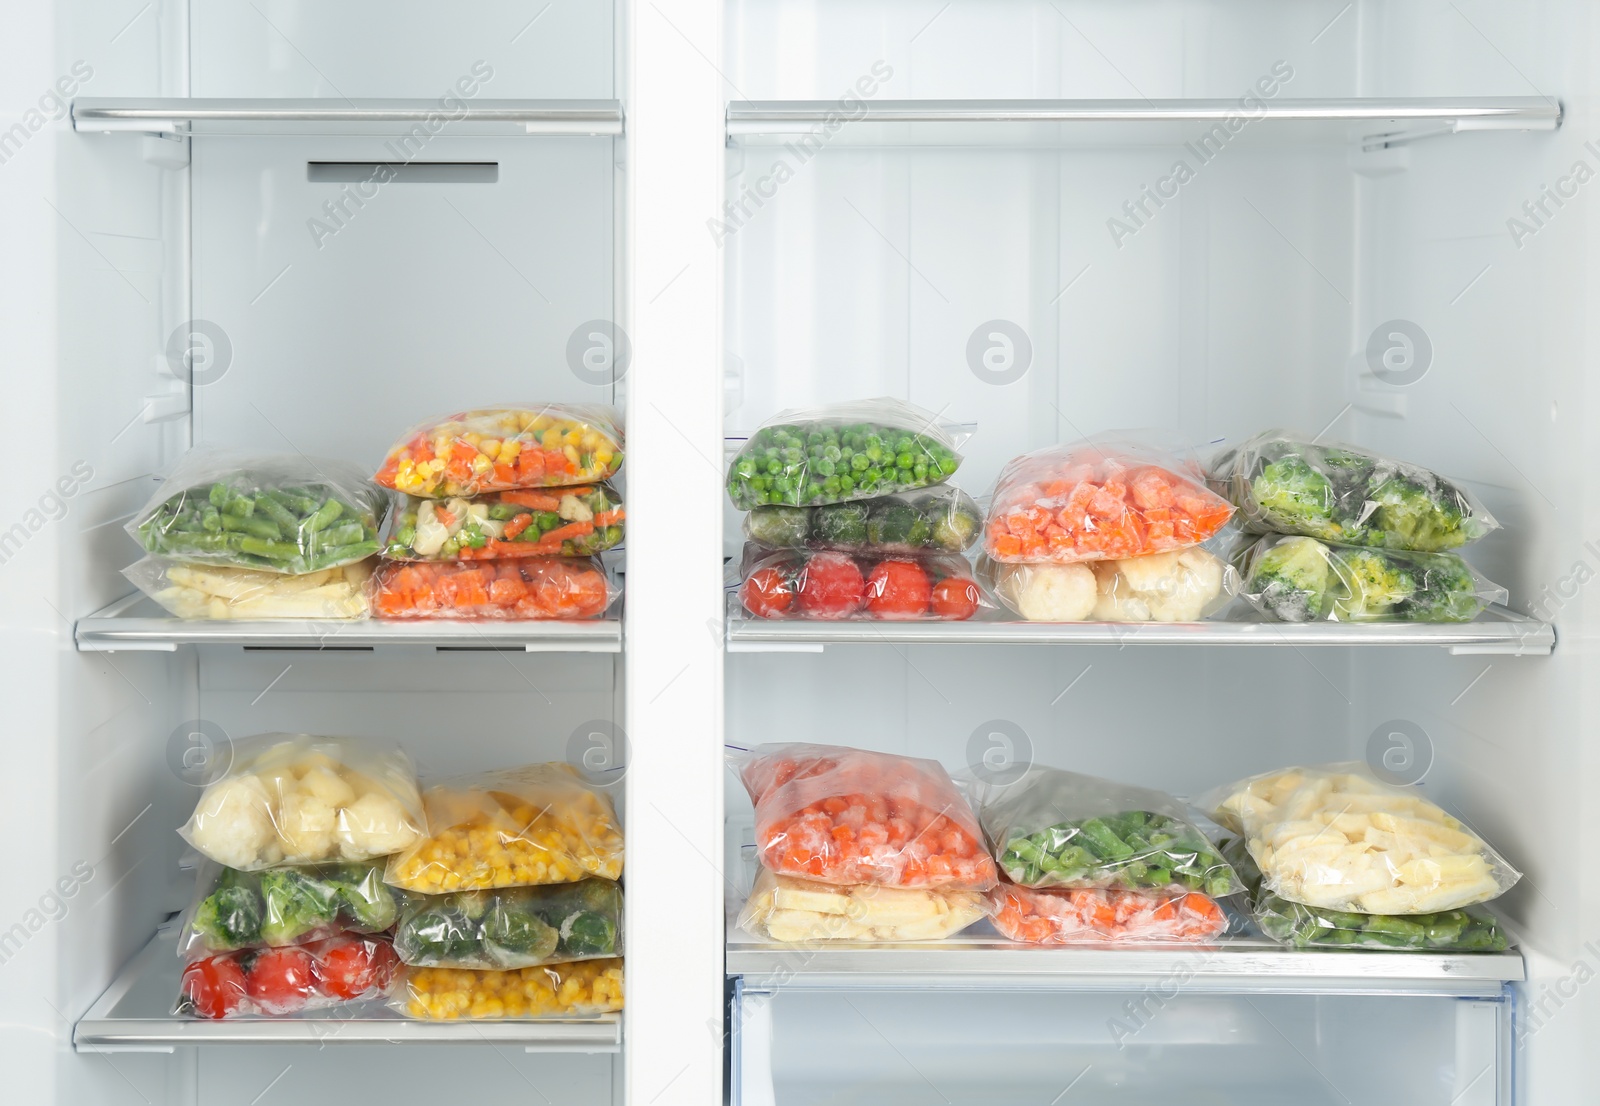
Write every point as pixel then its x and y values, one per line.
pixel 1183 585
pixel 873 447
pixel 1336 837
pixel 201 591
pixel 827 585
pixel 941 520
pixel 526 522
pixel 516 927
pixel 516 827
pixel 1099 500
pixel 1053 828
pixel 1064 916
pixel 299 799
pixel 785 908
pixel 273 512
pixel 516 588
pixel 847 816
pixel 1300 579
pixel 583 988
pixel 285 906
pixel 494 449
pixel 289 979
pixel 1289 484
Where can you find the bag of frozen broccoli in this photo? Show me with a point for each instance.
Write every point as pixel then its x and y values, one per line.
pixel 513 927
pixel 284 906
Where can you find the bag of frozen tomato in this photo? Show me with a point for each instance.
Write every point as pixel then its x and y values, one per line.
pixel 1182 585
pixel 828 585
pixel 493 449
pixel 287 980
pixel 1097 501
pixel 519 994
pixel 518 588
pixel 845 816
pixel 285 906
pixel 1099 916
pixel 940 520
pixel 527 522
pixel 788 909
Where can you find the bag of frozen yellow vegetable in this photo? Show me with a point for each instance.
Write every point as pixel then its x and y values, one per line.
pixel 552 991
pixel 518 827
pixel 494 449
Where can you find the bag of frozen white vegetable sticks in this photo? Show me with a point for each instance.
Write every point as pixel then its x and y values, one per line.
pixel 1053 828
pixel 873 447
pixel 271 512
pixel 201 591
pixel 493 449
pixel 944 519
pixel 1290 484
pixel 785 908
pixel 285 906
pixel 1337 837
pixel 519 994
pixel 513 927
pixel 300 799
pixel 1183 585
pixel 517 827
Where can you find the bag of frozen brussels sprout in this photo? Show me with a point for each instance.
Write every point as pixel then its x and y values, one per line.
pixel 284 906
pixel 514 927
pixel 944 519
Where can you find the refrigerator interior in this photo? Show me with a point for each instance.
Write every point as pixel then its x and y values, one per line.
pixel 868 263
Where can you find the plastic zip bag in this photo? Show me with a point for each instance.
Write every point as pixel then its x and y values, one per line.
pixel 1053 828
pixel 521 994
pixel 944 519
pixel 220 592
pixel 1099 500
pixel 1184 585
pixel 300 799
pixel 1337 837
pixel 273 512
pixel 847 816
pixel 528 588
pixel 515 927
pixel 1300 579
pixel 788 584
pixel 1062 916
pixel 528 522
pixel 787 909
pixel 492 449
pixel 1289 484
pixel 284 906
pixel 835 454
pixel 287 980
pixel 516 827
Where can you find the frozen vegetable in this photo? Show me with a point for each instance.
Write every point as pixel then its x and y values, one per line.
pixel 829 585
pixel 784 908
pixel 496 448
pixel 1098 501
pixel 1290 484
pixel 278 513
pixel 1472 929
pixel 1182 585
pixel 846 816
pixel 553 991
pixel 517 927
pixel 1062 916
pixel 298 799
pixel 837 454
pixel 1300 579
pixel 1337 837
pixel 285 906
pixel 526 522
pixel 289 979
pixel 222 592
pixel 942 520
pixel 521 588
pixel 517 827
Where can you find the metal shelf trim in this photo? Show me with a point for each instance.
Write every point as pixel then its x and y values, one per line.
pixel 178 115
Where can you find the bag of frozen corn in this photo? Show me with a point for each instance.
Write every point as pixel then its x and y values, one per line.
pixel 520 994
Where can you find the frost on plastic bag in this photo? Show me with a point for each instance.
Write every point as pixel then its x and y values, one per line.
pixel 220 592
pixel 1096 501
pixel 1096 916
pixel 527 588
pixel 834 586
pixel 526 522
pixel 787 909
pixel 941 520
pixel 1288 484
pixel 517 827
pixel 287 980
pixel 845 816
pixel 299 799
pixel 860 450
pixel 273 512
pixel 1053 828
pixel 1473 929
pixel 284 906
pixel 1184 585
pixel 1336 837
pixel 514 927
pixel 1300 579
pixel 493 449
pixel 583 988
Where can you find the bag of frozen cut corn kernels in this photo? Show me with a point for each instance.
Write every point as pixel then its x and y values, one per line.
pixel 518 827
pixel 522 994
pixel 1337 837
pixel 783 908
pixel 493 449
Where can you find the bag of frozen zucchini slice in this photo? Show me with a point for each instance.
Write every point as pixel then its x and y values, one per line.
pixel 516 827
pixel 299 799
pixel 789 909
pixel 513 927
pixel 494 449
pixel 578 989
pixel 1053 828
pixel 1470 929
pixel 874 447
pixel 1336 837
pixel 944 519
pixel 271 512
pixel 221 592
pixel 526 522
pixel 285 906
pixel 1182 585
pixel 1099 915
pixel 1301 579
pixel 1289 484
